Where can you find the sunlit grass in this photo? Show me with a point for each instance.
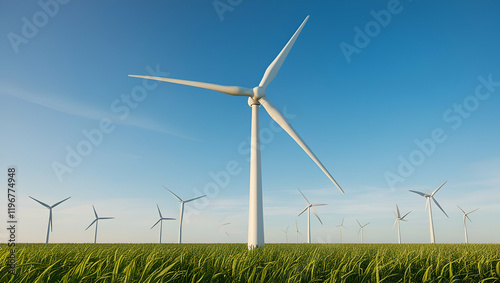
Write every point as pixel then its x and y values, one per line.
pixel 233 263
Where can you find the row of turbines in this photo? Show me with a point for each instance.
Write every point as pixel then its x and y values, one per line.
pixel 427 195
pixel 310 206
pixel 97 218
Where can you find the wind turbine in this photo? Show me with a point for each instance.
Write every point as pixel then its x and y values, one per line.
pixel 257 97
pixel 223 224
pixel 308 208
pixel 341 226
pixel 466 215
pixel 399 218
pixel 428 196
pixel 361 229
pixel 49 228
pixel 161 221
pixel 297 230
pixel 286 233
pixel 96 221
pixel 182 202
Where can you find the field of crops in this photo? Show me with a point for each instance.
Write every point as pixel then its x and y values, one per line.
pixel 233 263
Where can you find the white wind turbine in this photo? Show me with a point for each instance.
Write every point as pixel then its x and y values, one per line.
pixel 96 221
pixel 182 202
pixel 428 196
pixel 257 97
pixel 399 218
pixel 341 226
pixel 361 227
pixel 222 225
pixel 297 230
pixel 161 221
pixel 286 233
pixel 308 208
pixel 466 215
pixel 49 228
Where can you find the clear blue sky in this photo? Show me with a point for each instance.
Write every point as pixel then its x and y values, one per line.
pixel 64 69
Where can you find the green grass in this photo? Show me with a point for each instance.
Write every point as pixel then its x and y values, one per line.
pixel 233 263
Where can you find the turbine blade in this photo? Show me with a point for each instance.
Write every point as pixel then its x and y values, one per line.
pixel 358 223
pixel 91 224
pixel 463 212
pixel 281 120
pixel 366 224
pixel 435 191
pixel 404 216
pixel 394 224
pixel 105 218
pixel 95 212
pixel 44 204
pixel 303 210
pixel 468 217
pixel 422 194
pixel 318 204
pixel 440 207
pixel 159 212
pixel 156 223
pixel 167 218
pixel 60 202
pixel 303 196
pixel 231 90
pixel 275 66
pixel 195 198
pixel 342 222
pixel 472 211
pixel 397 208
pixel 180 200
pixel 317 216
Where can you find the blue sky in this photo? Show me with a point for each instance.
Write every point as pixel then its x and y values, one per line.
pixel 419 74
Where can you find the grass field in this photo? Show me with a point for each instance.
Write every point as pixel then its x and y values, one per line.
pixel 233 263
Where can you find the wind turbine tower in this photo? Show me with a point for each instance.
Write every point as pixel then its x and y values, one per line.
pixel 161 221
pixel 308 208
pixel 428 196
pixel 466 215
pixel 256 97
pixel 49 228
pixel 182 202
pixel 361 227
pixel 399 218
pixel 96 221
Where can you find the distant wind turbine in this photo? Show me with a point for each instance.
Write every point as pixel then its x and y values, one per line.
pixel 341 226
pixel 49 228
pixel 160 221
pixel 286 232
pixel 308 208
pixel 361 229
pixel 222 225
pixel 297 230
pixel 96 221
pixel 182 202
pixel 428 196
pixel 466 215
pixel 399 218
pixel 257 97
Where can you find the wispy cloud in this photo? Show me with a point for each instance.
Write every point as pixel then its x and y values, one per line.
pixel 84 111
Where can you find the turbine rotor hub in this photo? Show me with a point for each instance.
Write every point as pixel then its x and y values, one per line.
pixel 258 92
